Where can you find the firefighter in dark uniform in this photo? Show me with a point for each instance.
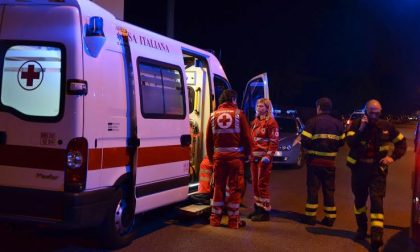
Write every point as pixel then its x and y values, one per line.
pixel 370 140
pixel 322 137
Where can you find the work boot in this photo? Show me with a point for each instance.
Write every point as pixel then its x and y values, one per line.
pixel 262 216
pixel 361 234
pixel 329 222
pixel 309 220
pixel 257 210
pixel 376 234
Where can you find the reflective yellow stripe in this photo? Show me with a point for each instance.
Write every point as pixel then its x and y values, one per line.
pixel 307 134
pixel 311 206
pixel 360 210
pixel 351 133
pixel 377 216
pixel 326 136
pixel 377 224
pixel 310 213
pixel 384 148
pixel 351 160
pixel 332 216
pixel 342 136
pixel 398 138
pixel 333 208
pixel 324 154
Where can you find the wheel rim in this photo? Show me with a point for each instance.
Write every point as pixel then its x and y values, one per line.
pixel 123 221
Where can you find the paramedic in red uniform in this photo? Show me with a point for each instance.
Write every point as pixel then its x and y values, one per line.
pixel 265 134
pixel 228 144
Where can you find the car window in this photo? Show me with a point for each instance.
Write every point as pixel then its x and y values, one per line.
pixel 286 124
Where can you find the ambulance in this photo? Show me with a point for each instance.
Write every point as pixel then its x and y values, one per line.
pixel 99 119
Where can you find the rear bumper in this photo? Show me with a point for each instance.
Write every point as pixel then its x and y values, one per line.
pixel 58 209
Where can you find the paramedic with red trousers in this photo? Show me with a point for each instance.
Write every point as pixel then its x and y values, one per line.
pixel 265 135
pixel 370 140
pixel 228 144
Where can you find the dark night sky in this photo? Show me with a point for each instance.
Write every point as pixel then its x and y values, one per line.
pixel 350 51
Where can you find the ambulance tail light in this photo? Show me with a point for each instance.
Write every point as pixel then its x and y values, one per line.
pixel 94 36
pixel 76 165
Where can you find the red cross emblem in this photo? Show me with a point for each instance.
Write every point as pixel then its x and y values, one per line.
pixel 224 120
pixel 30 75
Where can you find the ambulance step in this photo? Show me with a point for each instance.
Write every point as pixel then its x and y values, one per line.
pixel 195 209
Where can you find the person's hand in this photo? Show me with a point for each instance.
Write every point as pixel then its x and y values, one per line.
pixel 386 161
pixel 265 160
pixel 363 122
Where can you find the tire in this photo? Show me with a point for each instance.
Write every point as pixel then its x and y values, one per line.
pixel 117 229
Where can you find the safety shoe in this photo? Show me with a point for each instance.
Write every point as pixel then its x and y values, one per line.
pixel 263 216
pixel 256 211
pixel 329 222
pixel 360 235
pixel 309 220
pixel 240 224
pixel 376 241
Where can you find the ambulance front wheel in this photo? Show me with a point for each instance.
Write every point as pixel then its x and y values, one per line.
pixel 119 223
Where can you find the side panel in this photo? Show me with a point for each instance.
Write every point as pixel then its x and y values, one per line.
pixel 35 167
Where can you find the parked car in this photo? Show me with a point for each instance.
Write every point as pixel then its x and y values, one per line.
pixel 415 210
pixel 355 115
pixel 289 151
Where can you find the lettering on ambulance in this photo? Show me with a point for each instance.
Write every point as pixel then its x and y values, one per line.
pixel 149 42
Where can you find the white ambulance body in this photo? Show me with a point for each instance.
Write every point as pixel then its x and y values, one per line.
pixel 78 88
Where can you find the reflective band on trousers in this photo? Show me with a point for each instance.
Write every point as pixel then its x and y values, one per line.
pixel 259 153
pixel 330 208
pixel 360 210
pixel 332 216
pixel 218 203
pixel 216 211
pixel 228 149
pixel 377 224
pixel 398 138
pixel 351 160
pixel 311 206
pixel 233 213
pixel 327 136
pixel 323 154
pixel 377 216
pixel 310 213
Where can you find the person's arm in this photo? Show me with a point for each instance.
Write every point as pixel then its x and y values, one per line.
pixel 341 134
pixel 307 134
pixel 273 135
pixel 246 140
pixel 400 143
pixel 209 140
pixel 354 135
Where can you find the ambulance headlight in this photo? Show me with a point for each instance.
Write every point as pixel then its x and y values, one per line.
pixel 74 159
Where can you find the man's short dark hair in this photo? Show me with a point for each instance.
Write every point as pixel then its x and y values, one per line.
pixel 324 103
pixel 228 95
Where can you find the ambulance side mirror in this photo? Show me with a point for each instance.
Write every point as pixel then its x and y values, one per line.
pixel 94 36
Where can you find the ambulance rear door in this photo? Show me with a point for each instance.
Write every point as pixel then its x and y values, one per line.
pixel 40 51
pixel 256 88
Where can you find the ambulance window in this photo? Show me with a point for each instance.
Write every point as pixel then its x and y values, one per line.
pixel 162 91
pixel 31 81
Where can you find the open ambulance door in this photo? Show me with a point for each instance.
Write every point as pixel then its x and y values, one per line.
pixel 255 89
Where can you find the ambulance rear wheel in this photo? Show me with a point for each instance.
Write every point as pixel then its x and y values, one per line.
pixel 118 226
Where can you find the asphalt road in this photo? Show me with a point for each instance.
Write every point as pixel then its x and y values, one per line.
pixel 165 230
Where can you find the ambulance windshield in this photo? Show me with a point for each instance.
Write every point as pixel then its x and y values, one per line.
pixel 31 81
